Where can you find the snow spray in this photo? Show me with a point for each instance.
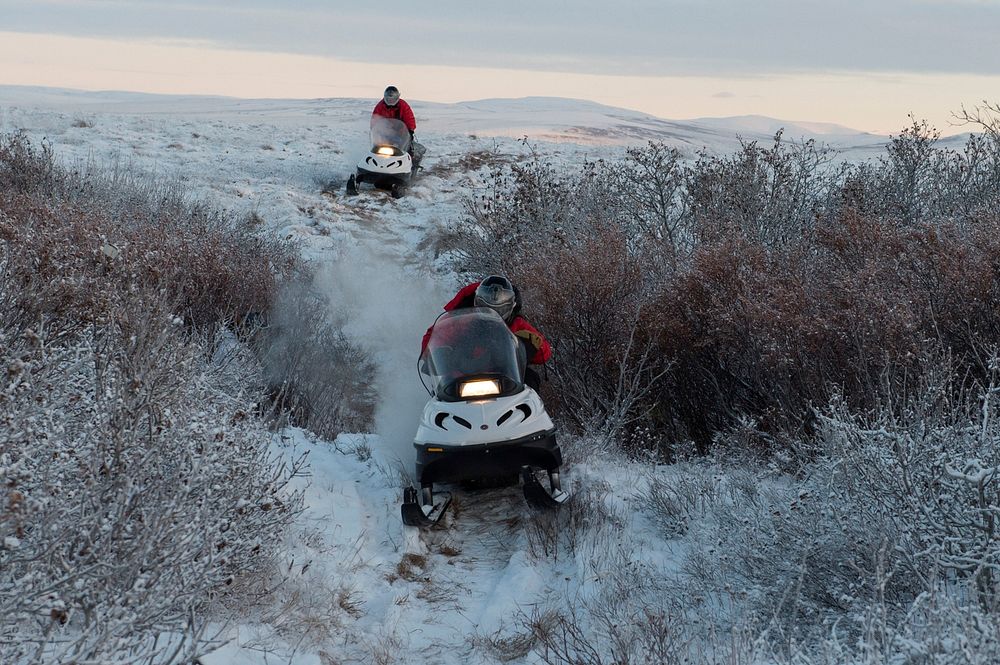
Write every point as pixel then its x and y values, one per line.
pixel 384 307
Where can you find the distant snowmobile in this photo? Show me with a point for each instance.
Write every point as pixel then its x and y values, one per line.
pixel 482 423
pixel 389 164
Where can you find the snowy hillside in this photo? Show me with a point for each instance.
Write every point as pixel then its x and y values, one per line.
pixel 274 156
pixel 626 572
pixel 539 118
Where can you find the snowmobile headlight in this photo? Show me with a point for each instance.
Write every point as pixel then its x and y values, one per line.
pixel 385 151
pixel 480 388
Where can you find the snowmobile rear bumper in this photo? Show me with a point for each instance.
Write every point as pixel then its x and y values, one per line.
pixel 452 464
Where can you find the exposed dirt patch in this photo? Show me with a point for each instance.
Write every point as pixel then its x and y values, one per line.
pixel 469 162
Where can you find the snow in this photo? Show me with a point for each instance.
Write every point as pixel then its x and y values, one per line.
pixel 360 586
pixel 430 594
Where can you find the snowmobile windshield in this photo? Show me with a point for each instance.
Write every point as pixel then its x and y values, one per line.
pixel 472 354
pixel 389 133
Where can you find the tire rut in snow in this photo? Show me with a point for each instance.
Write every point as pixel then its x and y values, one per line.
pixel 468 559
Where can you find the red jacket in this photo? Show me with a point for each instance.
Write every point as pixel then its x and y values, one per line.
pixel 518 325
pixel 401 111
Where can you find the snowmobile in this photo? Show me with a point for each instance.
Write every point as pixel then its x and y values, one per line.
pixel 482 423
pixel 391 162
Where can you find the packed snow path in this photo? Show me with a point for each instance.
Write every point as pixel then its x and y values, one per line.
pixel 361 587
pixel 432 594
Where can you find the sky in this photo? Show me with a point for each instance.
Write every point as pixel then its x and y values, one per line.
pixel 865 64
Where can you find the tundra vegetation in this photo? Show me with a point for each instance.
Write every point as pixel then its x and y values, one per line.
pixel 142 367
pixel 794 357
pixel 814 344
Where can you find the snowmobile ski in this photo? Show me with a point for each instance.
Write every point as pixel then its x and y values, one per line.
pixel 417 513
pixel 537 496
pixel 352 185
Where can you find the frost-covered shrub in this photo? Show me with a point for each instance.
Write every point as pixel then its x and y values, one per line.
pixel 934 471
pixel 136 482
pixel 132 488
pixel 686 497
pixel 567 244
pixel 882 548
pixel 940 628
pixel 863 310
pixel 645 195
pixel 918 181
pixel 75 240
pixel 605 367
pixel 801 559
pixel 771 196
pixel 750 286
pixel 25 169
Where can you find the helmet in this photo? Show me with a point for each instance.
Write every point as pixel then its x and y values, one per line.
pixel 391 95
pixel 498 294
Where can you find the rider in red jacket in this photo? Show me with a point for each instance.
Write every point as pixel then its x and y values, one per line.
pixel 392 106
pixel 499 294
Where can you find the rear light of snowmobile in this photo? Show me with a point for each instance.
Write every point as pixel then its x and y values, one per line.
pixel 479 388
pixel 385 151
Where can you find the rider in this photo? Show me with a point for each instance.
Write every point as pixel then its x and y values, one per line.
pixel 500 295
pixel 391 106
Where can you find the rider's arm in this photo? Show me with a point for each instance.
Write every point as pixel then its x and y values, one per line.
pixel 426 339
pixel 406 115
pixel 543 350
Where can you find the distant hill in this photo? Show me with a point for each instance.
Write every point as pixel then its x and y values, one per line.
pixel 538 118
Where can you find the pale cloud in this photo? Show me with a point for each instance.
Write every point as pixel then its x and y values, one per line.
pixel 641 37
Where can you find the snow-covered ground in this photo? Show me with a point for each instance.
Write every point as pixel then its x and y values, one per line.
pixel 361 587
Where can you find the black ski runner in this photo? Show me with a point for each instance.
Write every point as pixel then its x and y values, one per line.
pixel 535 493
pixel 413 512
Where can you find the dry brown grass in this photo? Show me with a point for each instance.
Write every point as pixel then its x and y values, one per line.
pixel 469 162
pixel 351 601
pixel 410 568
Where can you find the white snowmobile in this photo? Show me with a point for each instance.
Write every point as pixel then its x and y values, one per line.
pixel 482 423
pixel 389 164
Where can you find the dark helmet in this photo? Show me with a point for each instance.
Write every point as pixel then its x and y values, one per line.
pixel 498 294
pixel 391 95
